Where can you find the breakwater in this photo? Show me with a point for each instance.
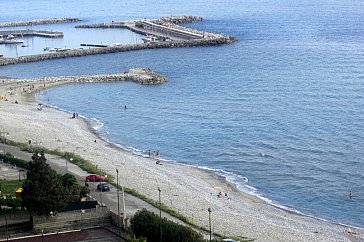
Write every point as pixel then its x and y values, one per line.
pixel 181 19
pixel 115 49
pixel 144 76
pixel 39 22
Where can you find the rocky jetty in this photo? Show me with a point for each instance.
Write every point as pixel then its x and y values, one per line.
pixel 138 75
pixel 181 19
pixel 114 49
pixel 39 22
pixel 144 76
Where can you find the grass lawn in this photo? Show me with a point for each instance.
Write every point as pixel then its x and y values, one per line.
pixel 9 187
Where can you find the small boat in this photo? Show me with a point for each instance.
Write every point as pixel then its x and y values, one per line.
pixel 150 38
pixel 116 44
pixel 23 45
pixel 10 39
pixel 55 49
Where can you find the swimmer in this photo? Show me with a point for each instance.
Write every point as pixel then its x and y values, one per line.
pixel 350 194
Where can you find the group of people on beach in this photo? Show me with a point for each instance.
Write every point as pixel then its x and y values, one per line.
pixel 153 153
pixel 221 195
pixel 74 115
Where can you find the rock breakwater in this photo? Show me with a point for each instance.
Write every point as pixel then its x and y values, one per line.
pixel 181 19
pixel 115 49
pixel 138 75
pixel 39 22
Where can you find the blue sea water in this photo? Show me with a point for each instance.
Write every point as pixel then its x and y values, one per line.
pixel 280 113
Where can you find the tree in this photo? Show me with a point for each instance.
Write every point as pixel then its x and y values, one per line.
pixel 44 191
pixel 146 224
pixel 69 181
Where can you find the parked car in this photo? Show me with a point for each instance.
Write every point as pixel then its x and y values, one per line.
pixel 95 178
pixel 103 186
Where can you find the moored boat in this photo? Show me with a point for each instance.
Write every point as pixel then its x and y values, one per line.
pixel 10 39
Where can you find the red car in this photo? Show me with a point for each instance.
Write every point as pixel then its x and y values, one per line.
pixel 95 178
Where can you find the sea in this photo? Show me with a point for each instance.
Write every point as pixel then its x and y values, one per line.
pixel 280 113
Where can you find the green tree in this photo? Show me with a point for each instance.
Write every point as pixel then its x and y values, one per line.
pixel 146 224
pixel 44 191
pixel 69 181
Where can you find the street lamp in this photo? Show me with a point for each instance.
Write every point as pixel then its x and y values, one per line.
pixel 66 162
pixel 3 138
pixel 160 215
pixel 124 210
pixel 117 187
pixel 209 210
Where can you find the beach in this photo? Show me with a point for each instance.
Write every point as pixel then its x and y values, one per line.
pixel 189 190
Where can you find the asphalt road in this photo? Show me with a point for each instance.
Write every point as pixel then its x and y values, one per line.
pixel 109 198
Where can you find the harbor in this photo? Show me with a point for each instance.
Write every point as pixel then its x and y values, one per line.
pixel 158 33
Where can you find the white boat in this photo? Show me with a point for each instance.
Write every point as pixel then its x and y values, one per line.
pixel 55 49
pixel 150 38
pixel 10 39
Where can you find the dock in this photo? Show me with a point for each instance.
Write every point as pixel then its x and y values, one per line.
pixel 94 45
pixel 30 32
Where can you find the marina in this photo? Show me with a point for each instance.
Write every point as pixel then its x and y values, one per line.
pixel 159 33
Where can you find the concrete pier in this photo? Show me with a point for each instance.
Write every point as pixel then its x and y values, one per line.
pixel 29 32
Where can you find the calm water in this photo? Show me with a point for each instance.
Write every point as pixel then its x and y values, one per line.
pixel 280 113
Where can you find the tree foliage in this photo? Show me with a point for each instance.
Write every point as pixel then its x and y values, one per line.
pixel 69 181
pixel 44 191
pixel 146 224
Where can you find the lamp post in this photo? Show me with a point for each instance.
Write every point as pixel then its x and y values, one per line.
pixel 160 215
pixel 3 138
pixel 124 210
pixel 209 210
pixel 66 162
pixel 117 187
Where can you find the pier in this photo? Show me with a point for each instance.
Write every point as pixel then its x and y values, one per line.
pixel 94 45
pixel 29 32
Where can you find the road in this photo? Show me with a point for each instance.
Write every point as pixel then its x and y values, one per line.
pixel 132 204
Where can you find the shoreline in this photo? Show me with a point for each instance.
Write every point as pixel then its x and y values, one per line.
pixel 190 190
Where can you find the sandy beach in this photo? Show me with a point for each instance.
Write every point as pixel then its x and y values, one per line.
pixel 191 191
